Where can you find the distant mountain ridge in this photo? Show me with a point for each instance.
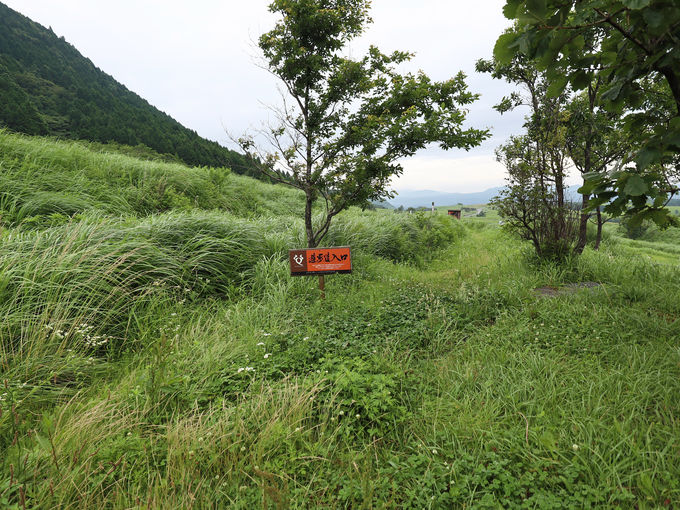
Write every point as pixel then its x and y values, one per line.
pixel 48 88
pixel 424 198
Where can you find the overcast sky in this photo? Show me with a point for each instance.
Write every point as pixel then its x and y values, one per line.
pixel 195 60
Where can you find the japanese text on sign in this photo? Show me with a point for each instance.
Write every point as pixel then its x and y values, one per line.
pixel 317 261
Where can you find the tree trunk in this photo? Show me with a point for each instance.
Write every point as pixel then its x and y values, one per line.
pixel 559 184
pixel 598 239
pixel 585 168
pixel 309 228
pixel 583 227
pixel 673 83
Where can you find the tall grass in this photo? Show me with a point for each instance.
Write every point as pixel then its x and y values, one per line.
pixel 97 272
pixel 40 176
pixel 397 237
pixel 91 287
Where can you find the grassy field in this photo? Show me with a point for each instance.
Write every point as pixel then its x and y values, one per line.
pixel 163 358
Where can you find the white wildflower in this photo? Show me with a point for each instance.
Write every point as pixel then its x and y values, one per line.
pixel 267 355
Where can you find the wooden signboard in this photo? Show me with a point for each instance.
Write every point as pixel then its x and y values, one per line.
pixel 320 261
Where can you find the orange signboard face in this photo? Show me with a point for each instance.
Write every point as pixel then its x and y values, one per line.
pixel 315 261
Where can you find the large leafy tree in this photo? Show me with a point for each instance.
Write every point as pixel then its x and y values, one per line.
pixel 630 45
pixel 344 124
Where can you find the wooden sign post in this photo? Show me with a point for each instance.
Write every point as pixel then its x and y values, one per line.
pixel 320 262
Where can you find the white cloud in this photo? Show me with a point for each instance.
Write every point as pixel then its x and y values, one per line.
pixel 452 175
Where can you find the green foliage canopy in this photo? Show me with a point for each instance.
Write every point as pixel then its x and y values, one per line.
pixel 345 123
pixel 631 45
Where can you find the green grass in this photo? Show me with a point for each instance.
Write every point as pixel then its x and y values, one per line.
pixel 43 182
pixel 168 360
pixel 653 244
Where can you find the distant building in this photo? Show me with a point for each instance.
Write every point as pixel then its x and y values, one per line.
pixel 455 213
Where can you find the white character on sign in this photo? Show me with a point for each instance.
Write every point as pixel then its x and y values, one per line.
pixel 299 259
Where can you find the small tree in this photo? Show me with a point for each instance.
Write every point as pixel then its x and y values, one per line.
pixel 529 205
pixel 533 203
pixel 344 124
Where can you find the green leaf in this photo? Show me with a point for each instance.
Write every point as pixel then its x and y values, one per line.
pixel 547 439
pixel 580 80
pixel 587 188
pixel 505 48
pixel 537 8
pixel 672 139
pixel 559 39
pixel 635 186
pixel 647 156
pixel 510 8
pixel 654 18
pixel 646 485
pixel 612 93
pixel 635 4
pixel 661 217
pixel 609 57
pixel 635 220
pixel 557 86
pixel 579 42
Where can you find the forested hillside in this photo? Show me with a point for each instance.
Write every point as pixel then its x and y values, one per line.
pixel 48 88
